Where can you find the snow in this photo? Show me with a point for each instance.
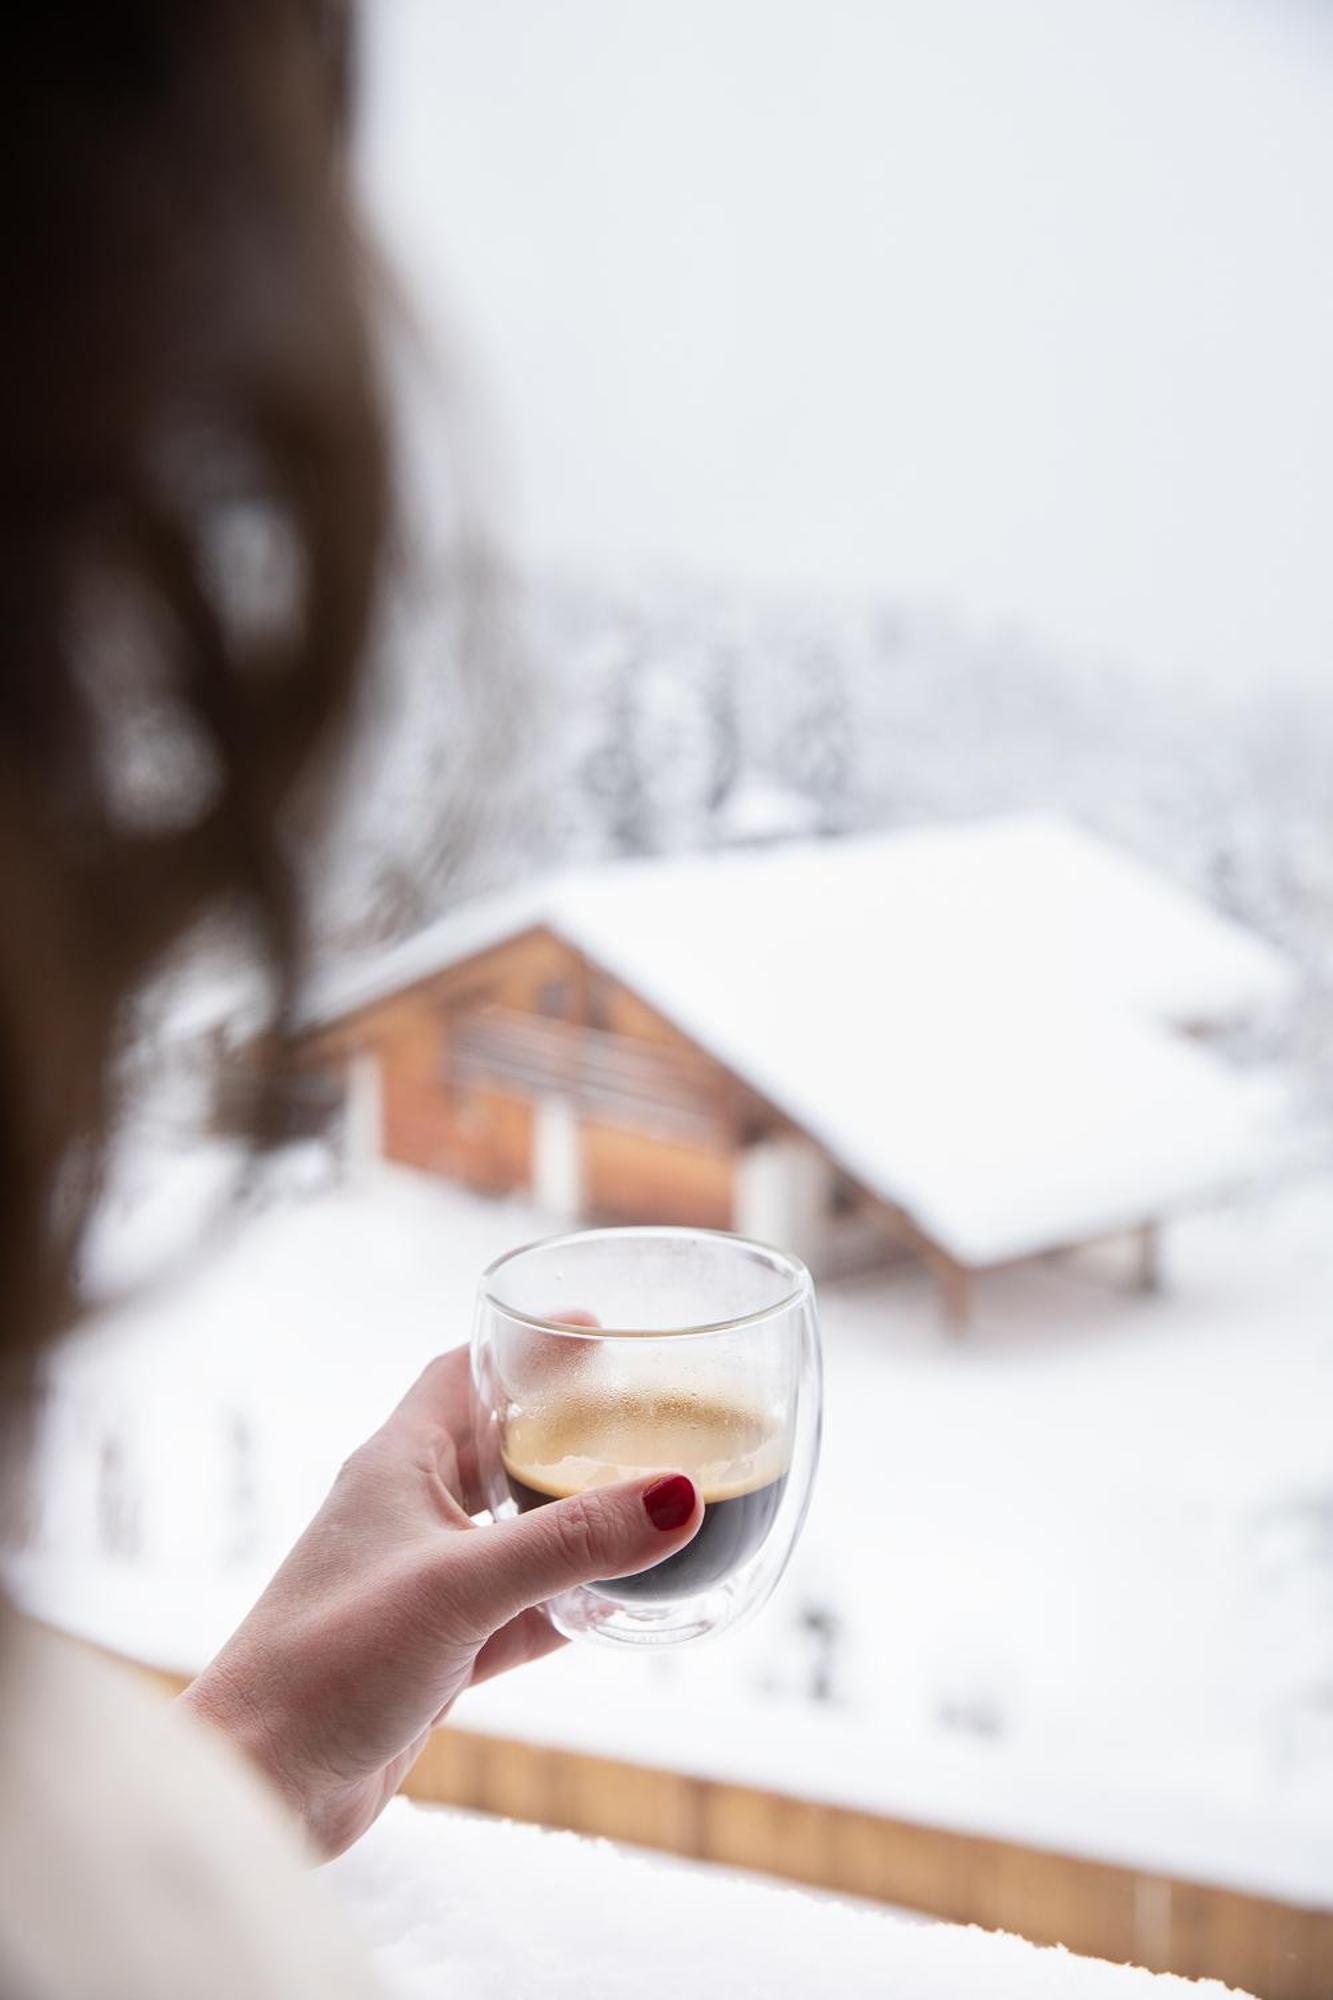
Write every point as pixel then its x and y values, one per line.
pixel 973 1019
pixel 758 810
pixel 1027 887
pixel 1066 1582
pixel 433 1895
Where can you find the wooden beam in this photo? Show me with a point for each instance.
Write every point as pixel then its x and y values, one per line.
pixel 955 1287
pixel 955 1281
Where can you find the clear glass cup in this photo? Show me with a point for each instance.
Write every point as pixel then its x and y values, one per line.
pixel 610 1353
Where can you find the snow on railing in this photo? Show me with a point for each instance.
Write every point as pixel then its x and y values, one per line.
pixel 475 1909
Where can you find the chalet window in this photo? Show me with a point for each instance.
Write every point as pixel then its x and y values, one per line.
pixel 555 998
pixel 599 1004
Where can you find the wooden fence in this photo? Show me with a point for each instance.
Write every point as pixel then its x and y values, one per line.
pixel 1271 1949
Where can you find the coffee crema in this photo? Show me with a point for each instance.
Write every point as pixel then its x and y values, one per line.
pixel 737 1459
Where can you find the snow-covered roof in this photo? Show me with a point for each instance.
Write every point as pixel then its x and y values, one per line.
pixel 979 1021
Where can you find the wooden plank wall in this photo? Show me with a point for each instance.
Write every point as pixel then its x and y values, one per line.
pixel 1274 1950
pixel 634 1177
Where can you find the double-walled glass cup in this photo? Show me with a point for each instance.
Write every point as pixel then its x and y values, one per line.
pixel 613 1353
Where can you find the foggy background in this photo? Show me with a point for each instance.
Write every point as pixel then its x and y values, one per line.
pixel 1022 310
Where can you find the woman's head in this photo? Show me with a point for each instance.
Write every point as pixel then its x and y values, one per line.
pixel 192 506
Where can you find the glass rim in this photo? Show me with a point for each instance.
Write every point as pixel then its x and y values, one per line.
pixel 802 1285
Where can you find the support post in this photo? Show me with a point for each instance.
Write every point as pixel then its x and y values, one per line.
pixel 1148 1258
pixel 363 1118
pixel 955 1283
pixel 784 1191
pixel 557 1157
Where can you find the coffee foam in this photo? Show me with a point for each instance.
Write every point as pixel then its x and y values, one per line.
pixel 573 1445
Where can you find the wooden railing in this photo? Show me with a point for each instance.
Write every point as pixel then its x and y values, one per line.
pixel 617 1077
pixel 1272 1949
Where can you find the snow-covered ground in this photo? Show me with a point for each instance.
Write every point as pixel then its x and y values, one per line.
pixel 1069 1580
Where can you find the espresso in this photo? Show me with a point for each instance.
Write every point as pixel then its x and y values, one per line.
pixel 737 1460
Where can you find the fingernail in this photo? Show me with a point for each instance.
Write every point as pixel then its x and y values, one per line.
pixel 670 1502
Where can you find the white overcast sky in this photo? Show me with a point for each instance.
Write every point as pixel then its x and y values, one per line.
pixel 1022 306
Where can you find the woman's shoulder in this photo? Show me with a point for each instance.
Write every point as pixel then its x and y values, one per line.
pixel 137 1854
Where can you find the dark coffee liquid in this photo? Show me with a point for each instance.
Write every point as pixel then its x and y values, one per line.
pixel 736 1459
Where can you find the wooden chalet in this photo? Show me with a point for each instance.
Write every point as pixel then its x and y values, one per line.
pixel 976 1044
pixel 526 1065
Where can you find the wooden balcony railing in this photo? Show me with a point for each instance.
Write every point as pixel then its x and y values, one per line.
pixel 1139 1916
pixel 621 1079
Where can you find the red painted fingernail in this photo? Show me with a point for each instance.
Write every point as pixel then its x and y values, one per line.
pixel 671 1502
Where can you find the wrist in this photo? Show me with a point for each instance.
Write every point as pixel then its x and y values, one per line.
pixel 226 1702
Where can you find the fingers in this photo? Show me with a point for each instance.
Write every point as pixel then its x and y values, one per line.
pixel 606 1532
pixel 438 1408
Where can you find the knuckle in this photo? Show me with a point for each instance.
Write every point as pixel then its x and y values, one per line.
pixel 360 1465
pixel 581 1528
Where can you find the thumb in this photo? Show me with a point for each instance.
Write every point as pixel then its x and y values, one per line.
pixel 607 1531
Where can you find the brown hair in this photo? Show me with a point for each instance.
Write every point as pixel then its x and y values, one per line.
pixel 184 364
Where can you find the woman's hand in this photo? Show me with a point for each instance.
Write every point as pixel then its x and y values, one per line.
pixel 393 1602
